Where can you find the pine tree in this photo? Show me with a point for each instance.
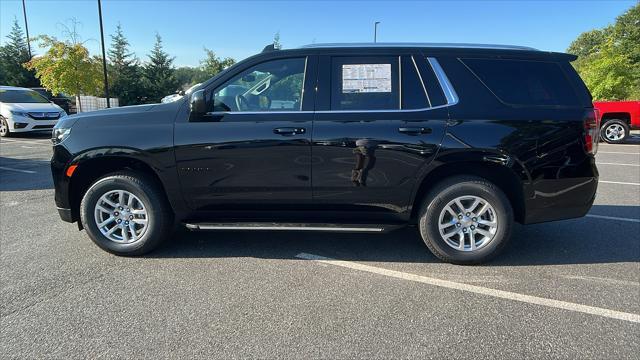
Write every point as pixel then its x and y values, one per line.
pixel 159 73
pixel 13 55
pixel 124 74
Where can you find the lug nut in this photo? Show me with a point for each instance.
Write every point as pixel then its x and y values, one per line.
pixel 458 225
pixel 468 214
pixel 120 207
pixel 472 227
pixel 464 229
pixel 116 213
pixel 475 219
pixel 460 217
pixel 119 221
pixel 130 217
pixel 126 222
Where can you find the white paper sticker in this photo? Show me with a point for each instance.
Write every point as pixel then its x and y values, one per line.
pixel 366 78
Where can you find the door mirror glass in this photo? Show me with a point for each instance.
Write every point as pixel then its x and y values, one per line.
pixel 198 104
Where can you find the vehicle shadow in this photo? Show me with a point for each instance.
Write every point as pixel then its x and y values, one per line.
pixel 31 135
pixel 24 174
pixel 578 241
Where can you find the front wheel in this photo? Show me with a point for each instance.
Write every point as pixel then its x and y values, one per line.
pixel 614 131
pixel 126 214
pixel 4 127
pixel 466 220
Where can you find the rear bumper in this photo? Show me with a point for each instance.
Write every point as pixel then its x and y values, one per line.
pixel 560 199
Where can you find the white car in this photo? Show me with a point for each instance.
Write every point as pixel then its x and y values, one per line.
pixel 24 110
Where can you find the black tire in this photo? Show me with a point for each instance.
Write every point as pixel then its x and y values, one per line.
pixel 4 128
pixel 160 216
pixel 610 136
pixel 450 189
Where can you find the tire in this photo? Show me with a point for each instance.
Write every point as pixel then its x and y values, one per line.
pixel 468 189
pixel 614 131
pixel 4 128
pixel 117 188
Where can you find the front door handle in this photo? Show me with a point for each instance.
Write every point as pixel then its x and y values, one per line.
pixel 285 131
pixel 414 130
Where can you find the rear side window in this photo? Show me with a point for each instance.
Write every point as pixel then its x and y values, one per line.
pixel 365 83
pixel 522 82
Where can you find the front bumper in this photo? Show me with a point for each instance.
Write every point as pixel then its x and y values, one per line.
pixel 20 124
pixel 59 162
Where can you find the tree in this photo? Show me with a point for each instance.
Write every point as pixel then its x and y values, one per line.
pixel 187 76
pixel 609 59
pixel 12 56
pixel 276 41
pixel 67 67
pixel 212 64
pixel 124 71
pixel 159 73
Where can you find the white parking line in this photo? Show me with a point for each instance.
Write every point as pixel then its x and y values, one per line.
pixel 18 170
pixel 613 218
pixel 558 304
pixel 618 182
pixel 618 164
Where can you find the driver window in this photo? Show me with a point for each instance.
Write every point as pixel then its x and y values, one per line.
pixel 270 86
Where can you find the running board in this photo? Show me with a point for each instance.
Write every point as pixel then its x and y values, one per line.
pixel 268 226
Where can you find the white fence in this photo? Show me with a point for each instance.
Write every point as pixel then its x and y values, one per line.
pixel 93 103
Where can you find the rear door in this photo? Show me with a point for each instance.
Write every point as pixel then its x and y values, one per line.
pixel 252 150
pixel 379 120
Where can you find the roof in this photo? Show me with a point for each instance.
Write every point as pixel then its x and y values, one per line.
pixel 419 45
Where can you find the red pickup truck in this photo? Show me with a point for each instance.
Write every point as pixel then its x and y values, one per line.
pixel 618 118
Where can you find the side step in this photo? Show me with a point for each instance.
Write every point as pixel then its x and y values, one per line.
pixel 270 226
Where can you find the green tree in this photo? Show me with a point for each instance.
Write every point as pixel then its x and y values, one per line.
pixel 13 55
pixel 609 59
pixel 125 73
pixel 67 67
pixel 159 73
pixel 212 64
pixel 187 76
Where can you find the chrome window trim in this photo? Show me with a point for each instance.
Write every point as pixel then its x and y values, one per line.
pixel 304 78
pixel 449 93
pixel 443 80
pixel 421 81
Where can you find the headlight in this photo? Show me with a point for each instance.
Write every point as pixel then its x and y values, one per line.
pixel 19 113
pixel 58 135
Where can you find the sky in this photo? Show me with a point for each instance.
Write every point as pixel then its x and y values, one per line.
pixel 239 29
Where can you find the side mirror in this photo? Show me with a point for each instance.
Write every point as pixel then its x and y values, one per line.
pixel 198 104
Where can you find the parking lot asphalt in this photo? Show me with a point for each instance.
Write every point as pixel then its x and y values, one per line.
pixel 567 289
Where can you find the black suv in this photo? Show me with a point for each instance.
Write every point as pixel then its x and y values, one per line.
pixel 459 140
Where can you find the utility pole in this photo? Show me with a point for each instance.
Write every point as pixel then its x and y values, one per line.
pixel 104 57
pixel 26 27
pixel 375 31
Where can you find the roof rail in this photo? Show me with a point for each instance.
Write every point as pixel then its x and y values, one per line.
pixel 426 45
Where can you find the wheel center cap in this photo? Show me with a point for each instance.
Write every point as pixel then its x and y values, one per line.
pixel 466 221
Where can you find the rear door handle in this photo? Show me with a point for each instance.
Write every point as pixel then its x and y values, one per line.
pixel 289 131
pixel 414 130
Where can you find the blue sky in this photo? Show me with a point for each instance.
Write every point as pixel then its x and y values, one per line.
pixel 242 28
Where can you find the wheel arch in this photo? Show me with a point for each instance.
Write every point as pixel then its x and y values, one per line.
pixel 95 164
pixel 624 116
pixel 503 176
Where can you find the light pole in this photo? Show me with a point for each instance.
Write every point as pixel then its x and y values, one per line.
pixel 375 31
pixel 26 27
pixel 104 57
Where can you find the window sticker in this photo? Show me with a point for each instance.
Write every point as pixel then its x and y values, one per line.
pixel 366 78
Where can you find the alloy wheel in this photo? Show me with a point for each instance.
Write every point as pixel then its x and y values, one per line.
pixel 468 223
pixel 121 216
pixel 614 132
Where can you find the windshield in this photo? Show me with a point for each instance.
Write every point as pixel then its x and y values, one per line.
pixel 21 96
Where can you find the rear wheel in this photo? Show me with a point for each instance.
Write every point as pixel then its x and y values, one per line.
pixel 466 220
pixel 126 214
pixel 4 127
pixel 614 131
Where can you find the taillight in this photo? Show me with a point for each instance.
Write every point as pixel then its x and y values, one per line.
pixel 591 130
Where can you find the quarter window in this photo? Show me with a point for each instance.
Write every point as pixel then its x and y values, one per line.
pixel 270 86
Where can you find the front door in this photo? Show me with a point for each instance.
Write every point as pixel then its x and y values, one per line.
pixel 252 149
